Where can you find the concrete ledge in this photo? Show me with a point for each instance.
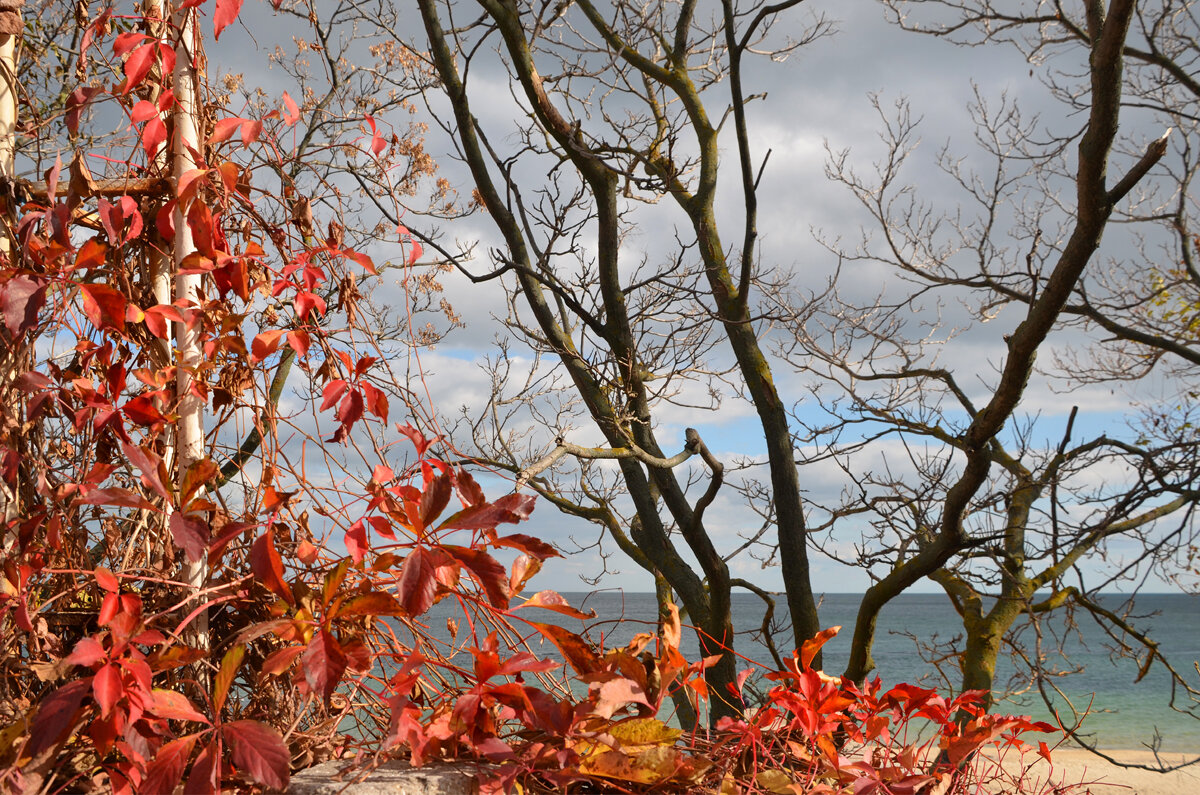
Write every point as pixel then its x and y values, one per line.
pixel 392 778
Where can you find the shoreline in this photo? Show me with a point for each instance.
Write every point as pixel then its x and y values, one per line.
pixel 1073 765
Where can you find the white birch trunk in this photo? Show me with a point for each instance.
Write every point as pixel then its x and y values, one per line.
pixel 9 501
pixel 189 430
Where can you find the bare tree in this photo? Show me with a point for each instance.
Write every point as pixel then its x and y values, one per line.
pixel 620 108
pixel 624 109
pixel 975 476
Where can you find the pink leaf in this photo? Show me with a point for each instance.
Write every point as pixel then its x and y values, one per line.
pixel 191 534
pixel 552 600
pixel 175 706
pixel 223 130
pixel 20 301
pixel 250 131
pixel 291 113
pixel 87 652
pixel 224 14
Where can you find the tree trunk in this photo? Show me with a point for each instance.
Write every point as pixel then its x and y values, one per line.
pixel 189 430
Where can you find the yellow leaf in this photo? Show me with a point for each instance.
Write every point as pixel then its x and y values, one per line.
pixel 775 781
pixel 644 731
pixel 655 765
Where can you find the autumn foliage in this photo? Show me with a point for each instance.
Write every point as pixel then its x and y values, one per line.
pixel 311 636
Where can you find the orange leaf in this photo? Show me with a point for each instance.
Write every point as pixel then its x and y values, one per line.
pixel 552 600
pixel 813 645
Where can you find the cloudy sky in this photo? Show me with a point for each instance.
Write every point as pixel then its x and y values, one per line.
pixel 818 99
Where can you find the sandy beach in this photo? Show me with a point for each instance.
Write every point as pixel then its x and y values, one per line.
pixel 1074 766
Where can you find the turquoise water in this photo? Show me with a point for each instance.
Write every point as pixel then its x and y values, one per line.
pixel 1124 715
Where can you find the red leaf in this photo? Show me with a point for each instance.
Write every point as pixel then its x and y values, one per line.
pixel 223 129
pixel 417 585
pixel 258 751
pixel 291 113
pixel 350 410
pixel 144 110
pixel 20 301
pixel 107 580
pixel 108 609
pixel 490 575
pixel 126 42
pixel 268 566
pixel 306 552
pixel 154 135
pixel 191 534
pixel 122 498
pixel 356 541
pixel 511 508
pixel 332 393
pixel 378 144
pixel 273 500
pixel 56 717
pixel 198 473
pixel 76 102
pixel 435 498
pixel 614 694
pixel 104 306
pixel 157 317
pixel 376 400
pixel 166 769
pixel 417 438
pixel 382 526
pixel 306 302
pixel 1044 750
pixel 224 14
pixel 175 706
pixel 468 490
pixel 144 411
pixel 414 246
pixel 362 259
pixel 324 663
pixel 205 778
pixel 108 688
pixel 92 254
pixel 138 64
pixel 534 547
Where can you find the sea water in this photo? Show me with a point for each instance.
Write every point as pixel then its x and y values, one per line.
pixel 1122 714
